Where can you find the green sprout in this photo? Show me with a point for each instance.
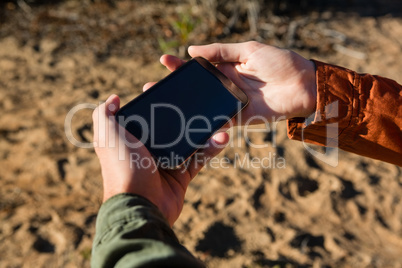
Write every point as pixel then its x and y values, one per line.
pixel 183 27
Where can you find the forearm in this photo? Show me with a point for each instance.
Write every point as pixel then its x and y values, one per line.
pixel 131 232
pixel 360 113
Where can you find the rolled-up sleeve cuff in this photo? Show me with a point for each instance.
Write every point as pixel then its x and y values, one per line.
pixel 337 107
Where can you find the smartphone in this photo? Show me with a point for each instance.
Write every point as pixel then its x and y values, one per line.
pixel 176 117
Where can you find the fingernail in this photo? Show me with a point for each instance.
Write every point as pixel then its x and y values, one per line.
pixel 219 138
pixel 112 107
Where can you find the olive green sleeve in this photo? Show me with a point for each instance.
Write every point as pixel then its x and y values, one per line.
pixel 131 232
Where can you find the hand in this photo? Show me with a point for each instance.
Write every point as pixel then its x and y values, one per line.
pixel 278 82
pixel 133 170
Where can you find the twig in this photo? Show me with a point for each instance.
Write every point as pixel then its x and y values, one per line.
pixel 335 34
pixel 291 36
pixel 350 52
pixel 25 7
pixel 232 21
pixel 292 31
pixel 253 10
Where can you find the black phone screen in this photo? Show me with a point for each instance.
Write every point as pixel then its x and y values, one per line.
pixel 179 114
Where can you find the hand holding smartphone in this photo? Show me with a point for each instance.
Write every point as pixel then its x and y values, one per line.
pixel 176 117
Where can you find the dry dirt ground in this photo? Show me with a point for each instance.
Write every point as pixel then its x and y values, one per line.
pixel 295 211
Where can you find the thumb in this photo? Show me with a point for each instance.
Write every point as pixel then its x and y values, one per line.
pixel 112 105
pixel 103 120
pixel 215 145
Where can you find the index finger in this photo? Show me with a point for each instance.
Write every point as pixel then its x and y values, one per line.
pixel 218 52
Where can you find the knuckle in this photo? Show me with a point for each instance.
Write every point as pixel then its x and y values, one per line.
pixel 252 45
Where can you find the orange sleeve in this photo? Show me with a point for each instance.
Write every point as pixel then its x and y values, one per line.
pixel 359 113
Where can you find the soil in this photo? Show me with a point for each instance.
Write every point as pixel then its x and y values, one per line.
pixel 294 211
